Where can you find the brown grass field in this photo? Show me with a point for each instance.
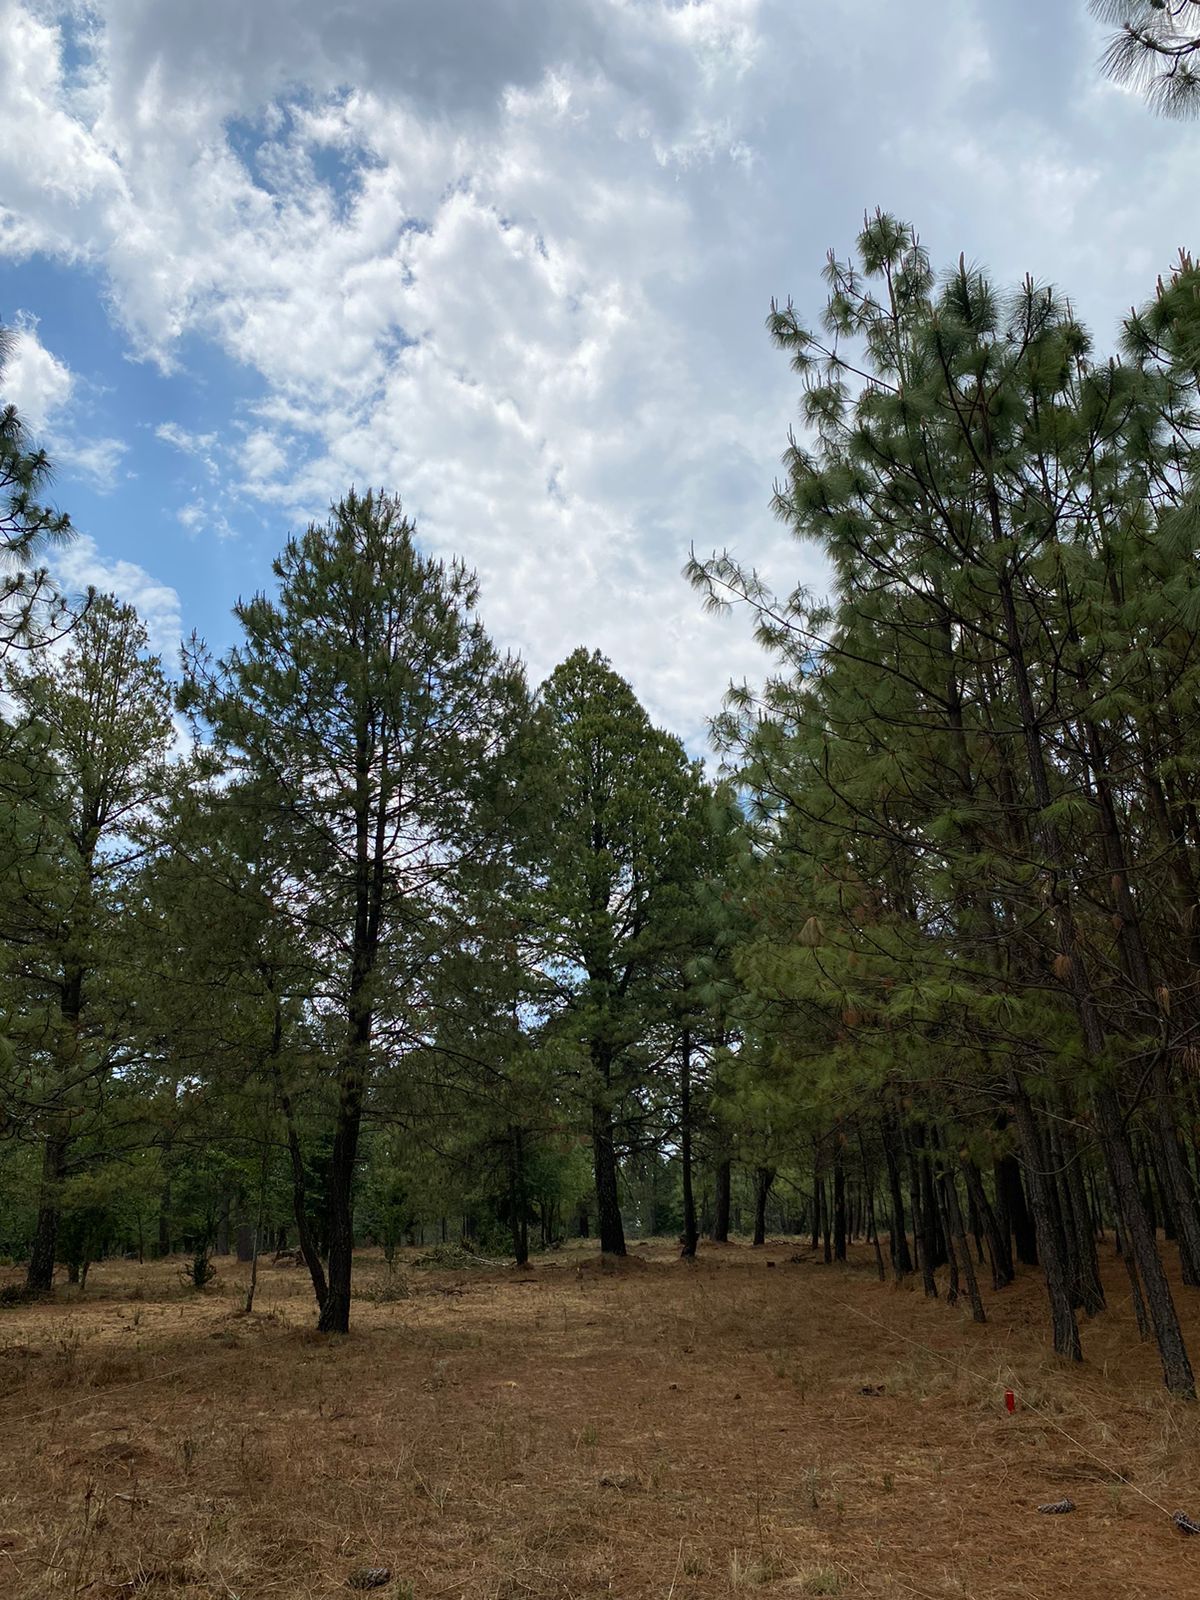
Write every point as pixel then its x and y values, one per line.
pixel 749 1424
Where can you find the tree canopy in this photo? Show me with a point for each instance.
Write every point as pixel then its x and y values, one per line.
pixel 349 936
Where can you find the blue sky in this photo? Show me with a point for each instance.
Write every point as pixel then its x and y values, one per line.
pixel 512 258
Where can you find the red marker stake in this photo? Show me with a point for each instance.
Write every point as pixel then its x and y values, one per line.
pixel 1010 1401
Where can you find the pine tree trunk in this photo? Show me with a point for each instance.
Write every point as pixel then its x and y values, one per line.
pixel 975 1226
pixel 518 1210
pixel 1144 1175
pixel 933 1244
pixel 724 1183
pixel 1182 1188
pixel 1176 1190
pixel 873 1230
pixel 999 1248
pixel 958 1236
pixel 898 1242
pixel 335 1308
pixel 951 1251
pixel 921 1228
pixel 1090 1288
pixel 164 1220
pixel 39 1276
pixel 934 1241
pixel 1010 1192
pixel 604 1159
pixel 259 1225
pixel 839 1200
pixel 1054 1267
pixel 764 1177
pixel 1177 1369
pixel 1121 1241
pixel 818 1208
pixel 304 1232
pixel 690 1235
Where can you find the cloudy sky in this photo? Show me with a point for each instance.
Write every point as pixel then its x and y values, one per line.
pixel 511 258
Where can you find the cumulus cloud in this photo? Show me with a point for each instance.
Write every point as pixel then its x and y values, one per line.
pixel 44 390
pixel 34 380
pixel 80 566
pixel 513 259
pixel 97 461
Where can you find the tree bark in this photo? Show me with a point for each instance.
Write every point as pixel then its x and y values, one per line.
pixel 1177 1369
pixel 723 1179
pixel 922 1232
pixel 999 1249
pixel 818 1206
pixel 604 1159
pixel 222 1244
pixel 690 1235
pixel 898 1240
pixel 39 1276
pixel 518 1211
pixel 1062 1313
pixel 164 1220
pixel 304 1232
pixel 1087 1266
pixel 764 1177
pixel 1120 1239
pixel 335 1308
pixel 958 1235
pixel 1011 1193
pixel 1179 1178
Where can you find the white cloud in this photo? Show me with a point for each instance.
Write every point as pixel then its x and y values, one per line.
pixel 96 460
pixel 46 394
pixel 192 444
pixel 471 323
pixel 513 259
pixel 202 517
pixel 33 379
pixel 81 566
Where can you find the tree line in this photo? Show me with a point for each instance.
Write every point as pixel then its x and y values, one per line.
pixel 350 933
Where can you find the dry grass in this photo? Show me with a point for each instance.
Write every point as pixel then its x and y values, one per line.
pixel 665 1430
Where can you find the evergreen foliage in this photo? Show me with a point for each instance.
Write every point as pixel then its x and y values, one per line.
pixel 396 951
pixel 1156 48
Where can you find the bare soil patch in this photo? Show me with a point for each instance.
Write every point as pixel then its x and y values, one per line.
pixel 753 1422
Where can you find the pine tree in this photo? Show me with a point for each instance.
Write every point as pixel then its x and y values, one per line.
pixel 90 736
pixel 364 716
pixel 31 610
pixel 1156 49
pixel 620 853
pixel 948 738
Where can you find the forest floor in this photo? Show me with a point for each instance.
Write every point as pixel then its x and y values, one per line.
pixel 754 1423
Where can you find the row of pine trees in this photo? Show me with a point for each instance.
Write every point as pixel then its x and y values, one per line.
pixel 351 929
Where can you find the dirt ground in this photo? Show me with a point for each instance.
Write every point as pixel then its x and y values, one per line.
pixel 755 1422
